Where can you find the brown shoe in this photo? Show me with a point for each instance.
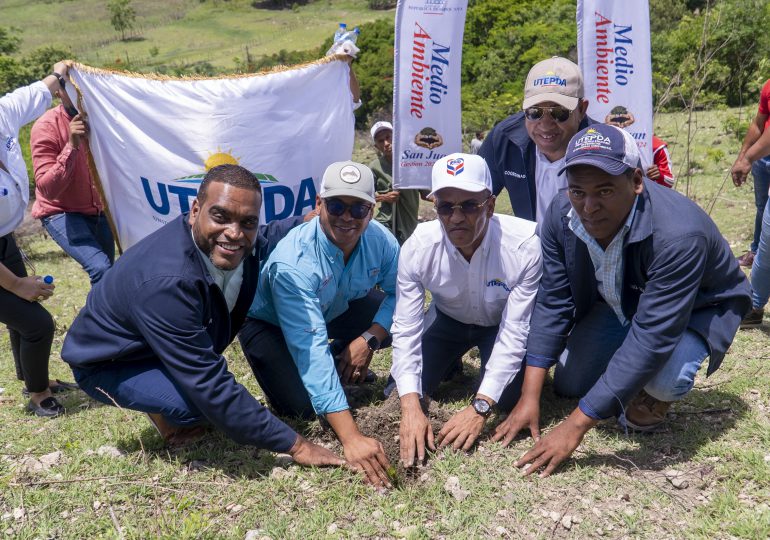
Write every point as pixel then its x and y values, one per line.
pixel 747 259
pixel 175 435
pixel 645 413
pixel 754 318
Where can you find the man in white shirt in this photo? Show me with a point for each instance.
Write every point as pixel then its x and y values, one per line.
pixel 482 270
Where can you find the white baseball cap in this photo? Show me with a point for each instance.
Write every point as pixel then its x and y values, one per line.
pixel 379 126
pixel 468 172
pixel 348 179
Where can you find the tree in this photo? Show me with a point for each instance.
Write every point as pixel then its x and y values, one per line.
pixel 122 16
pixel 9 41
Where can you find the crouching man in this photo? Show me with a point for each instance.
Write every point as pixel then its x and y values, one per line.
pixel 482 270
pixel 640 288
pixel 151 335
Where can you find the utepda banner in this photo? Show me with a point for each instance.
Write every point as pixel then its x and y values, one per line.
pixel 614 56
pixel 426 94
pixel 154 138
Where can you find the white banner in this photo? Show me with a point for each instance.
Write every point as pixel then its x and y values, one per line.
pixel 426 92
pixel 153 139
pixel 614 55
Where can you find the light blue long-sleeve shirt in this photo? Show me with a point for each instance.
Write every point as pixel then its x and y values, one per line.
pixel 305 284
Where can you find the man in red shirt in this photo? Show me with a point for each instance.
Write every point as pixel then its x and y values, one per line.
pixel 66 199
pixel 759 165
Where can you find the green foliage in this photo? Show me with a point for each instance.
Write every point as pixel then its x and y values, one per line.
pixel 39 61
pixel 122 16
pixel 382 4
pixel 9 40
pixel 735 126
pixel 712 56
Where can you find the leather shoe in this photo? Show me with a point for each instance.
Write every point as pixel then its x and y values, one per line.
pixel 645 413
pixel 754 318
pixel 747 259
pixel 175 436
pixel 58 388
pixel 48 408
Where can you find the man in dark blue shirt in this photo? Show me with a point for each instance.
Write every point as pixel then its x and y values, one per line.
pixel 638 286
pixel 153 330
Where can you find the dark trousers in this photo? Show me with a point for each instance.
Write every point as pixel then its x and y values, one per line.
pixel 30 326
pixel 447 340
pixel 265 348
pixel 144 386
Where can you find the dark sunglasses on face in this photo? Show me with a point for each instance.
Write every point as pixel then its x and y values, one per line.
pixel 358 210
pixel 560 114
pixel 466 207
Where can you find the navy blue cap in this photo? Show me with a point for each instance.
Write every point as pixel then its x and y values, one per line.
pixel 609 148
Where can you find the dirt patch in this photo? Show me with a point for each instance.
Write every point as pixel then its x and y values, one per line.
pixel 381 421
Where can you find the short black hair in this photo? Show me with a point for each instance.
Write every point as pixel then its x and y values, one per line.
pixel 234 175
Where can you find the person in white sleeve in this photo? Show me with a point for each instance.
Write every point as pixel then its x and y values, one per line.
pixel 482 270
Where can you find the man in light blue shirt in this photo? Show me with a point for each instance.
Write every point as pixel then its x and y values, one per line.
pixel 319 284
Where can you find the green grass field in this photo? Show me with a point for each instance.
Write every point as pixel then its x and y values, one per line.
pixel 101 472
pixel 183 31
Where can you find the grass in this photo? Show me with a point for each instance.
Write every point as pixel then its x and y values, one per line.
pixel 614 487
pixel 183 31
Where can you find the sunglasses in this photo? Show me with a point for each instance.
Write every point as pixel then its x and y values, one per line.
pixel 467 207
pixel 358 210
pixel 560 114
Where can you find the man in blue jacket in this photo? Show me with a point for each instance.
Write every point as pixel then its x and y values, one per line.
pixel 151 335
pixel 333 277
pixel 525 151
pixel 638 285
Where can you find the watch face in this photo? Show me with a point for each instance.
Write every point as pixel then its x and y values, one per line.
pixel 481 406
pixel 373 343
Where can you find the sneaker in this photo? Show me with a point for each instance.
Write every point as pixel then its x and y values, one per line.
pixel 645 413
pixel 754 318
pixel 48 408
pixel 747 259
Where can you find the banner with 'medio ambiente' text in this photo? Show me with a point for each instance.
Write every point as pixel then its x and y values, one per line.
pixel 614 56
pixel 426 94
pixel 154 138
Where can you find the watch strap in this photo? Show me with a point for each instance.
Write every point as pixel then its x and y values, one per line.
pixel 371 340
pixel 59 78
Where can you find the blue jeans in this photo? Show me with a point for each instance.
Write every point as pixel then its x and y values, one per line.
pixel 593 342
pixel 87 239
pixel 761 172
pixel 760 270
pixel 140 386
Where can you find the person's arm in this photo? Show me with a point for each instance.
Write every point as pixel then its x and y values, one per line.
pixel 53 159
pixel 169 314
pixel 674 278
pixel 415 431
pixel 27 103
pixel 462 430
pixel 742 166
pixel 357 355
pixel 30 288
pixel 304 328
pixel 662 167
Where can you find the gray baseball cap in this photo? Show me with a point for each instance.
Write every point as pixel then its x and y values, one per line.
pixel 348 179
pixel 555 79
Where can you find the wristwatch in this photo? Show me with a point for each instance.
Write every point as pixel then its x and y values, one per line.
pixel 371 340
pixel 482 407
pixel 61 80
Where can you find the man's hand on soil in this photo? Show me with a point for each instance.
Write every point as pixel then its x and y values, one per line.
pixel 306 453
pixel 368 456
pixel 525 414
pixel 558 445
pixel 415 432
pixel 462 430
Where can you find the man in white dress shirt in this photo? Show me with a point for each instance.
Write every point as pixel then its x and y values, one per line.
pixel 482 270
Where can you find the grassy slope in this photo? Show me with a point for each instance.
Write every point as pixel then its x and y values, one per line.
pixel 184 31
